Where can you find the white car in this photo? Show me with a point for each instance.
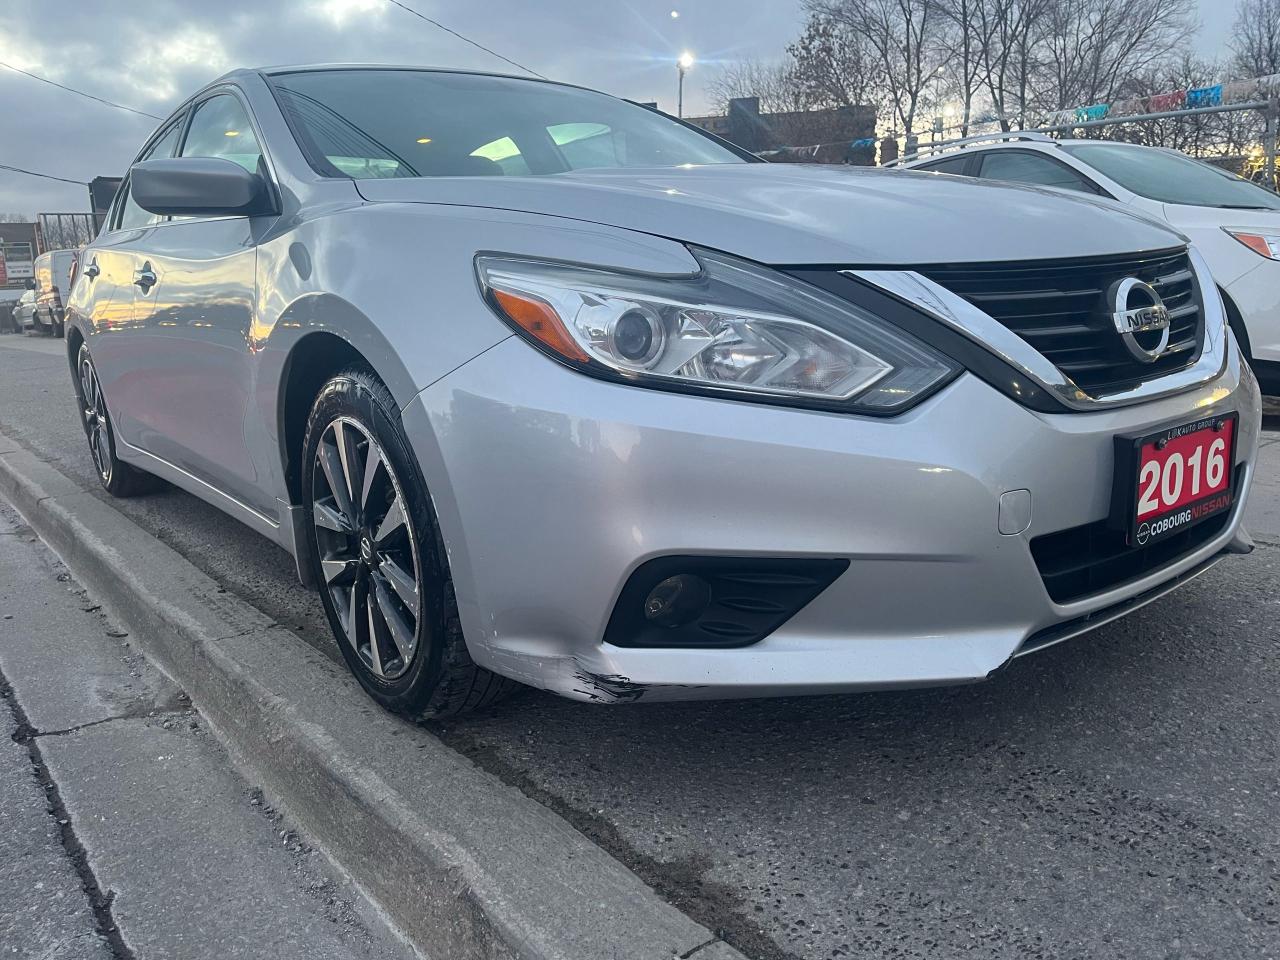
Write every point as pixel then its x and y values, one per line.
pixel 1234 223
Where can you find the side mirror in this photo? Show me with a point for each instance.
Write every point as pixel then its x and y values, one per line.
pixel 199 187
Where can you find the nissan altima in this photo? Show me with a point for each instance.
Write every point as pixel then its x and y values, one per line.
pixel 539 386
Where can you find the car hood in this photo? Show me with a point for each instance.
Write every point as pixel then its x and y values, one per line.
pixel 797 214
pixel 1185 216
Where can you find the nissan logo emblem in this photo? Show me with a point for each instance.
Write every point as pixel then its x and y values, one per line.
pixel 1138 311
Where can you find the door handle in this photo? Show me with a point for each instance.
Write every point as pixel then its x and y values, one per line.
pixel 92 270
pixel 145 278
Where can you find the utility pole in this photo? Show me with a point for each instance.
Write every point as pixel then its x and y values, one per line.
pixel 1273 108
pixel 683 64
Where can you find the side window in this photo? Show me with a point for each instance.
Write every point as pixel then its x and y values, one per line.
pixel 1024 167
pixel 132 215
pixel 953 165
pixel 221 128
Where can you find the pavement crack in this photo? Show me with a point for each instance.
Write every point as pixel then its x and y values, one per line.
pixel 100 901
pixel 25 733
pixel 689 953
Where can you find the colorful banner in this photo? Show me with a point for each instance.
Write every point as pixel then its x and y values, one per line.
pixel 1215 95
pixel 1167 101
pixel 1205 97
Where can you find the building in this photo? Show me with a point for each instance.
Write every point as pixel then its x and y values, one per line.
pixel 822 136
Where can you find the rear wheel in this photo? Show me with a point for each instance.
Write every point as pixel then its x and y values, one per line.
pixel 375 549
pixel 117 478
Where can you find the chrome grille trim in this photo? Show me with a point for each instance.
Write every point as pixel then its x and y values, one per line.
pixel 988 332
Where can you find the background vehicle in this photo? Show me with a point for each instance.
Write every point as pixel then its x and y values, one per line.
pixel 24 312
pixel 538 385
pixel 53 277
pixel 9 300
pixel 1234 223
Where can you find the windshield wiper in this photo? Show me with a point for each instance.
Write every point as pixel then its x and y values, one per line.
pixel 1240 206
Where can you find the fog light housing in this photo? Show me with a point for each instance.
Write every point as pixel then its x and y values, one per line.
pixel 677 600
pixel 714 601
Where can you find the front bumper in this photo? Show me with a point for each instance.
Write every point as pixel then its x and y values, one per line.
pixel 1256 295
pixel 552 487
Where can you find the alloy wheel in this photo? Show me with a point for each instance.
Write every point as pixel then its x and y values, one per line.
pixel 368 552
pixel 95 417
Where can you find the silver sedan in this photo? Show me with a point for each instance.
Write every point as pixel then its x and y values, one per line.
pixel 543 387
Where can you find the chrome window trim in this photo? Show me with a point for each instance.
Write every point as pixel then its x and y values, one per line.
pixel 989 333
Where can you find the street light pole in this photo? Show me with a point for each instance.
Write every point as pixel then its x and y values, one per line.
pixel 683 64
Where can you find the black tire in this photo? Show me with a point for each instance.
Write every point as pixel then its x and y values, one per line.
pixel 117 478
pixel 362 573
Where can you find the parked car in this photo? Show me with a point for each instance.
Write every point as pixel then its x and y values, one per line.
pixel 52 275
pixel 24 312
pixel 1234 223
pixel 9 300
pixel 539 385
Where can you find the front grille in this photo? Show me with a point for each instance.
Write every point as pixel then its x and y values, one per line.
pixel 1089 559
pixel 1060 308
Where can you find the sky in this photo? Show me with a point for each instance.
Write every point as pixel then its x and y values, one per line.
pixel 152 54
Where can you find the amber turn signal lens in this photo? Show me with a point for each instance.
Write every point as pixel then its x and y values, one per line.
pixel 1255 243
pixel 542 323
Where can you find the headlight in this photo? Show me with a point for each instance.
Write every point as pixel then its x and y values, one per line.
pixel 734 329
pixel 1268 245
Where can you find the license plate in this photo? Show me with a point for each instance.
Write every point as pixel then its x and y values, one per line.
pixel 1175 478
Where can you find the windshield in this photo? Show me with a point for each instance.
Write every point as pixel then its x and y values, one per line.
pixel 370 124
pixel 1172 177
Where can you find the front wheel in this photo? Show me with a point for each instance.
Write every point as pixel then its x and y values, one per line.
pixel 374 546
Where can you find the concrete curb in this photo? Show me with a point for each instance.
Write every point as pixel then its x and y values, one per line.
pixel 465 865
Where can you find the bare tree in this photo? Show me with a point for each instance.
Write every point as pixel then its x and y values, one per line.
pixel 774 82
pixel 903 36
pixel 1011 32
pixel 16 218
pixel 1256 38
pixel 963 35
pixel 834 65
pixel 1091 47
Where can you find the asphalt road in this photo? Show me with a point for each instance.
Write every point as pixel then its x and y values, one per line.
pixel 1113 797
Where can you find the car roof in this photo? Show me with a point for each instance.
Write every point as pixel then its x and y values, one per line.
pixel 1045 145
pixel 282 69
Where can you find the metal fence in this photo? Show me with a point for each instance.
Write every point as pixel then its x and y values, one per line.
pixel 63 231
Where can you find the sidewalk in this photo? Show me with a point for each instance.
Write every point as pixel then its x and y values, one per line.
pixel 125 831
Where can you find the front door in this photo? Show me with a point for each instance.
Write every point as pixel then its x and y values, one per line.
pixel 193 313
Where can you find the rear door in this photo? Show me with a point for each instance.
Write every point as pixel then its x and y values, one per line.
pixel 1032 166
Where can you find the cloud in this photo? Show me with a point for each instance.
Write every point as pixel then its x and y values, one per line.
pixel 339 12
pixel 161 71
